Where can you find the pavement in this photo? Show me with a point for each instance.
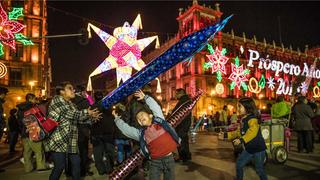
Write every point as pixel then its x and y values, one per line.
pixel 211 159
pixel 7 158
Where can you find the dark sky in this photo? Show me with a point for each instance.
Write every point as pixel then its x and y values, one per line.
pixel 74 62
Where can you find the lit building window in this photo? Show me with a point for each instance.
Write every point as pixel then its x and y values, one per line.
pixel 35 28
pixel 36 7
pixel 35 54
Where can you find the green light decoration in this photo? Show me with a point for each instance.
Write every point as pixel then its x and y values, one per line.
pixel 210 48
pixel 246 71
pixel 232 85
pixel 15 13
pixel 262 82
pixel 219 76
pixel 207 65
pixel 23 39
pixel 244 86
pixel 237 62
pixel 318 83
pixel 1 49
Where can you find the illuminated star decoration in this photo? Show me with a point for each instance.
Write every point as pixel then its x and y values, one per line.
pixel 125 50
pixel 217 61
pixel 9 29
pixel 303 88
pixel 271 83
pixel 238 75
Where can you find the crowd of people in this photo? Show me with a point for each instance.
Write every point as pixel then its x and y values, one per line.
pixel 138 122
pixel 81 124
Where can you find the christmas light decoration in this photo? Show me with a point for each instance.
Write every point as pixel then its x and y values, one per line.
pixel 15 13
pixel 219 88
pixel 271 83
pixel 241 49
pixel 254 88
pixel 182 50
pixel 23 39
pixel 318 83
pixel 3 70
pixel 217 61
pixel 303 88
pixel 262 82
pixel 316 92
pixel 9 28
pixel 137 157
pixel 125 50
pixel 238 75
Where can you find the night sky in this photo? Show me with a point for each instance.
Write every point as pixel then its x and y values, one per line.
pixel 74 62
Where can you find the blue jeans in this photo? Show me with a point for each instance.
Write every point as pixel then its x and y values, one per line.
pixel 59 160
pixel 245 157
pixel 122 151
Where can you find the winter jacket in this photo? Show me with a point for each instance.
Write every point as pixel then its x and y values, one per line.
pixel 138 134
pixel 251 135
pixel 183 128
pixel 302 114
pixel 105 127
pixel 280 110
pixel 65 137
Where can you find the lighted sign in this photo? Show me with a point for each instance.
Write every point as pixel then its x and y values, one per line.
pixel 278 66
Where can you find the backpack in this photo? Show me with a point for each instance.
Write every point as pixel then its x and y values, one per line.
pixel 38 125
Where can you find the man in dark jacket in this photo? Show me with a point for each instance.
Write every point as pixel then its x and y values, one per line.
pixel 302 114
pixel 82 102
pixel 102 134
pixel 183 128
pixel 13 129
pixel 3 93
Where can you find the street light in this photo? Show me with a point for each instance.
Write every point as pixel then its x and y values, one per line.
pixel 31 84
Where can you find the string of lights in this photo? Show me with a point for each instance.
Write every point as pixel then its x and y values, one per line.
pixel 85 19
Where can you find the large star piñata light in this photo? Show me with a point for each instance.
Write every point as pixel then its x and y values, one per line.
pixel 125 50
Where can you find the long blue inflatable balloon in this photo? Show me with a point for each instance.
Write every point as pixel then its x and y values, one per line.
pixel 181 51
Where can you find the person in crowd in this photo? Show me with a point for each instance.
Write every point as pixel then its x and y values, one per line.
pixel 63 142
pixel 81 102
pixel 13 129
pixel 251 138
pixel 223 118
pixel 210 122
pixel 157 138
pixel 234 118
pixel 30 147
pixel 281 109
pixel 102 138
pixel 183 128
pixel 3 93
pixel 122 142
pixel 302 114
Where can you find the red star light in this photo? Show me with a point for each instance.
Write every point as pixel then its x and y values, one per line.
pixel 8 28
pixel 237 75
pixel 218 61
